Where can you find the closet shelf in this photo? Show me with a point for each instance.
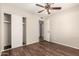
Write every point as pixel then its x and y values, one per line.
pixel 7 22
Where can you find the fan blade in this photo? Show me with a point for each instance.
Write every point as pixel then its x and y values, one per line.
pixel 56 8
pixel 40 11
pixel 39 5
pixel 49 3
pixel 48 11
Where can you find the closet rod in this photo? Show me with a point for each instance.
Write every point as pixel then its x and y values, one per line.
pixel 8 22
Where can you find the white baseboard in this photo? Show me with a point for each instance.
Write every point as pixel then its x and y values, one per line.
pixel 67 45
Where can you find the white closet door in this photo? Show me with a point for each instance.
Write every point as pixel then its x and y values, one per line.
pixel 17 29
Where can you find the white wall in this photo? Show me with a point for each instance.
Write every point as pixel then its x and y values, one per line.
pixel 0 28
pixel 0 32
pixel 32 29
pixel 16 31
pixel 65 27
pixel 31 19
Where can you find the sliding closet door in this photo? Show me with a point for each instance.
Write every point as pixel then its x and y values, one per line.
pixel 17 31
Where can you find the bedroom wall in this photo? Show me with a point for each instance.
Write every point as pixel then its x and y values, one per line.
pixel 0 28
pixel 0 32
pixel 32 30
pixel 64 27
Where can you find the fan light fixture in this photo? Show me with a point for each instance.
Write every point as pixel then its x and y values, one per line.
pixel 48 7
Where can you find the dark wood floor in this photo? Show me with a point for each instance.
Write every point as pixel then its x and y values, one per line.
pixel 42 49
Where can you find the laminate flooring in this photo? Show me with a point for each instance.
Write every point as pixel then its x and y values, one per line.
pixel 42 49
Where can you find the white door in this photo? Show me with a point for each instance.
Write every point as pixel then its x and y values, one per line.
pixel 47 30
pixel 17 29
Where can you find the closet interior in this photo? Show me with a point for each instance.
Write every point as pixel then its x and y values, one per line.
pixel 7 31
pixel 24 30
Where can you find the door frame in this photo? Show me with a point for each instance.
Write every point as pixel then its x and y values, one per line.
pixel 41 30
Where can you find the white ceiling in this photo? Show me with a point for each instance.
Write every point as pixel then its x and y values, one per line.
pixel 32 8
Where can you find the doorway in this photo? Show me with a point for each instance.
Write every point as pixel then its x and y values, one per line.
pixel 24 30
pixel 7 31
pixel 41 31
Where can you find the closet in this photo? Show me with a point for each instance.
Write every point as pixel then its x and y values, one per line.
pixel 14 29
pixel 24 30
pixel 7 31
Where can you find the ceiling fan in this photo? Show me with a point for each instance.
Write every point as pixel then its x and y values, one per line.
pixel 48 7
